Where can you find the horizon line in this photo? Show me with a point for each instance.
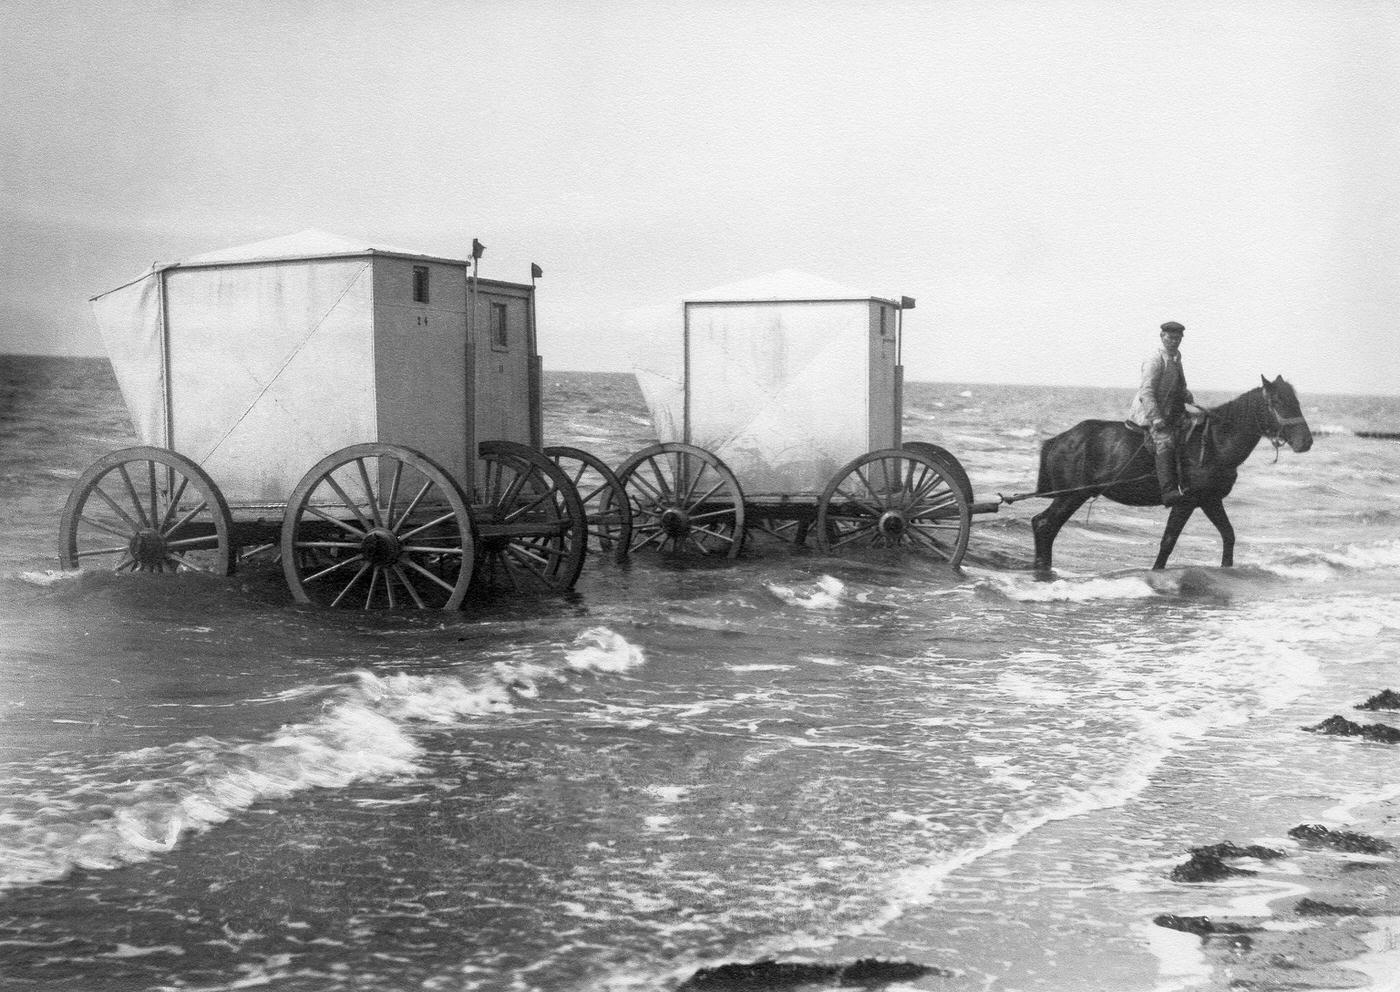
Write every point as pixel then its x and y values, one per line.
pixel 932 382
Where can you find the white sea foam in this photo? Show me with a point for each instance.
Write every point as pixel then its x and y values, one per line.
pixel 826 593
pixel 1314 565
pixel 1024 589
pixel 1181 959
pixel 1263 671
pixel 364 731
pixel 599 649
pixel 1333 430
pixel 1347 808
pixel 207 782
pixel 1381 962
pixel 52 577
pixel 436 699
pixel 1021 686
pixel 1380 555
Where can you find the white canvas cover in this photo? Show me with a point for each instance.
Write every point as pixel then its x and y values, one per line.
pixel 310 243
pixel 778 377
pixel 129 320
pixel 271 368
pixel 270 362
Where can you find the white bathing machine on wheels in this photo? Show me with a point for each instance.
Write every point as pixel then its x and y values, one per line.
pixel 778 404
pixel 372 415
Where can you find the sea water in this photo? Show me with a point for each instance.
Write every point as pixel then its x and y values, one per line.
pixel 204 785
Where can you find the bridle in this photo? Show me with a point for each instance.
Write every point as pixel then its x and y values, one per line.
pixel 1281 424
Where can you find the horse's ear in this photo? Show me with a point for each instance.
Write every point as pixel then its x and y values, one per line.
pixel 1264 380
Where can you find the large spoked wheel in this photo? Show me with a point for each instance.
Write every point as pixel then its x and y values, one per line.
pixel 895 499
pixel 946 460
pixel 604 499
pixel 684 500
pixel 146 510
pixel 378 525
pixel 533 526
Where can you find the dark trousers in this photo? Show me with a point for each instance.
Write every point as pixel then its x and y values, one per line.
pixel 1164 450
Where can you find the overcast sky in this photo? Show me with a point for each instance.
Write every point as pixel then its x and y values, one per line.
pixel 1051 180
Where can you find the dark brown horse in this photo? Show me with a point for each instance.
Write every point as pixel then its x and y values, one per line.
pixel 1107 458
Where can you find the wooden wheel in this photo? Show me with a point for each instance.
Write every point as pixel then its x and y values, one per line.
pixel 378 525
pixel 146 509
pixel 533 526
pixel 946 460
pixel 684 499
pixel 895 498
pixel 605 502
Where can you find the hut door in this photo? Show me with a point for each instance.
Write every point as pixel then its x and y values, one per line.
pixel 502 368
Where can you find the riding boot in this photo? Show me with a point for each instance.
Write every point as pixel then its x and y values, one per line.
pixel 1166 475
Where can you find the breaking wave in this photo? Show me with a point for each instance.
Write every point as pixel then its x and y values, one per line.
pixel 136 805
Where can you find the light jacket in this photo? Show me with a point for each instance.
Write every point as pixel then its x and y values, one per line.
pixel 1163 394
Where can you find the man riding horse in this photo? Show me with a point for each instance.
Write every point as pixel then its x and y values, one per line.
pixel 1110 457
pixel 1161 407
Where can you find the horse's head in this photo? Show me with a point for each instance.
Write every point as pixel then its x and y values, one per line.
pixel 1284 420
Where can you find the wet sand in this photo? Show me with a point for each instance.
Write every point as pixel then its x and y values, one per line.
pixel 1334 920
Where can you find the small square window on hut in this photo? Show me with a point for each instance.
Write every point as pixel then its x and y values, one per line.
pixel 420 284
pixel 500 337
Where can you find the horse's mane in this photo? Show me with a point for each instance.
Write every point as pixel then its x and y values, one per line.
pixel 1233 412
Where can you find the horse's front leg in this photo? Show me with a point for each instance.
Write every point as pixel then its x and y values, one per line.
pixel 1215 512
pixel 1175 523
pixel 1047 523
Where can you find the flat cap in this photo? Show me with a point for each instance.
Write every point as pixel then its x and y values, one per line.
pixel 1172 327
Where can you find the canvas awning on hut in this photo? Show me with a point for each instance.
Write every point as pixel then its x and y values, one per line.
pixel 785 376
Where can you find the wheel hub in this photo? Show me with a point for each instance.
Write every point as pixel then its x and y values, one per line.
pixel 893 523
pixel 147 547
pixel 675 522
pixel 380 547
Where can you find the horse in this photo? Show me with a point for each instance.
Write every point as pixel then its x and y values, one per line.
pixel 1114 459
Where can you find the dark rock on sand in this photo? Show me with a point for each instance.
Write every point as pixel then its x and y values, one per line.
pixel 1342 840
pixel 1206 867
pixel 1229 849
pixel 1207 863
pixel 1203 926
pixel 1352 867
pixel 1340 726
pixel 1386 699
pixel 1316 907
pixel 763 975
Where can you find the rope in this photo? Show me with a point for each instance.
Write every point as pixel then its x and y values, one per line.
pixel 1052 493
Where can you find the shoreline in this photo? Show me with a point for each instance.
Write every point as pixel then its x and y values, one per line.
pixel 1333 921
pixel 1311 902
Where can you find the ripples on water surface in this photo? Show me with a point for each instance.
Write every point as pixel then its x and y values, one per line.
pixel 207 787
